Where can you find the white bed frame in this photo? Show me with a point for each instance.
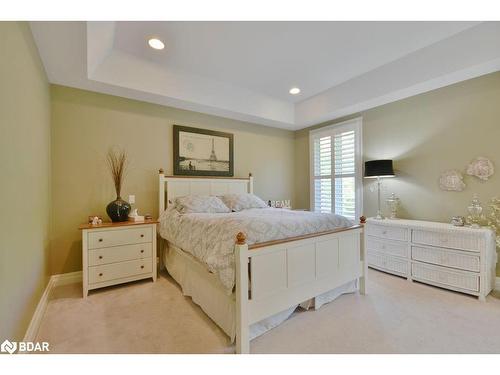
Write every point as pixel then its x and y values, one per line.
pixel 273 276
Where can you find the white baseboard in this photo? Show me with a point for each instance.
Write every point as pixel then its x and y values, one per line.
pixel 67 278
pixel 54 281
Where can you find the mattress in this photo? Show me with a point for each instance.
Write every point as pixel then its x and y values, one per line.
pixel 210 238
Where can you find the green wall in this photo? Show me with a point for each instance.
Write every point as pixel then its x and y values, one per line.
pixel 426 135
pixel 25 178
pixel 85 124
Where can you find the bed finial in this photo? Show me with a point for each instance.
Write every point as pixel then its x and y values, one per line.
pixel 250 174
pixel 241 238
pixel 161 171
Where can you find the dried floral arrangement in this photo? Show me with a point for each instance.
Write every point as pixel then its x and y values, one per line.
pixel 494 217
pixel 117 164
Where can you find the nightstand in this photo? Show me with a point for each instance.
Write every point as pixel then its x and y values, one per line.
pixel 115 253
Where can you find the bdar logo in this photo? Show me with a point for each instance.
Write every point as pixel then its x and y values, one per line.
pixel 8 347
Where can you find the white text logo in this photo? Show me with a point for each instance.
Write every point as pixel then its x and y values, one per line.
pixel 28 346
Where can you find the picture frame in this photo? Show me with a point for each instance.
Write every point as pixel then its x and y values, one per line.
pixel 202 152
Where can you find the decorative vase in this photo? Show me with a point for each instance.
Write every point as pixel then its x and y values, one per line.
pixel 118 210
pixel 475 212
pixel 393 203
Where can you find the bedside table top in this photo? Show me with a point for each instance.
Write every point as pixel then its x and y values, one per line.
pixel 118 224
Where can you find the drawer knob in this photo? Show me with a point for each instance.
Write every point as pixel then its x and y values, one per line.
pixel 100 274
pixel 142 251
pixel 100 256
pixel 142 235
pixel 142 267
pixel 100 239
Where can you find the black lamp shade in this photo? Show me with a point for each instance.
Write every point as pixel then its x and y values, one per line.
pixel 379 168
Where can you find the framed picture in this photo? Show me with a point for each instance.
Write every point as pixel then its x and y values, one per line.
pixel 202 152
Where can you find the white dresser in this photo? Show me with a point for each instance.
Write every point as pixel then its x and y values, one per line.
pixel 458 258
pixel 115 253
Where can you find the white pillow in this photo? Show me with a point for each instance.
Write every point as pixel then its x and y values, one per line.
pixel 200 204
pixel 238 202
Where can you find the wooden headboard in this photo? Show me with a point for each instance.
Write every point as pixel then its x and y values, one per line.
pixel 171 187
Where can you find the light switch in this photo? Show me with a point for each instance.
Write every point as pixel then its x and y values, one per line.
pixel 131 199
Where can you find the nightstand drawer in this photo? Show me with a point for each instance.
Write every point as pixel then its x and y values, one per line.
pixel 113 271
pixel 383 231
pixel 115 254
pixel 389 247
pixel 447 258
pixel 454 240
pixel 99 239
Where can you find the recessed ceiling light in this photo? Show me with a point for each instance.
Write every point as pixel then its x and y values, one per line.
pixel 156 43
pixel 294 91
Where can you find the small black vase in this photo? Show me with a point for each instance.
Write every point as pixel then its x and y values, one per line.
pixel 118 210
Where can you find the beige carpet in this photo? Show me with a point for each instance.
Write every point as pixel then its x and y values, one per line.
pixel 395 317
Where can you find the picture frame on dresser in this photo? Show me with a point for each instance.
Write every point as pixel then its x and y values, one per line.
pixel 462 259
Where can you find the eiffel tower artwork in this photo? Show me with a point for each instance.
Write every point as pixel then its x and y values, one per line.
pixel 213 157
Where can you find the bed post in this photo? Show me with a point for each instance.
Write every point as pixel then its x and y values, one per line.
pixel 242 326
pixel 364 272
pixel 161 192
pixel 250 183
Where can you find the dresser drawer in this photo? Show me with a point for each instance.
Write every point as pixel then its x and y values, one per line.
pixel 389 247
pixel 113 271
pixel 109 238
pixel 446 277
pixel 387 263
pixel 115 254
pixel 454 240
pixel 448 258
pixel 383 231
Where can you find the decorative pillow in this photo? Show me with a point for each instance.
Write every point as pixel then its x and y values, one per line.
pixel 238 202
pixel 200 204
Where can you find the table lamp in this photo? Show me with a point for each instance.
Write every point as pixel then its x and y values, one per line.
pixel 378 169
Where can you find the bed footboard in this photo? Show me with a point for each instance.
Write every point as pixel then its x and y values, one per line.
pixel 273 276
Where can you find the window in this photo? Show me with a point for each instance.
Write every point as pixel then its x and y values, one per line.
pixel 336 185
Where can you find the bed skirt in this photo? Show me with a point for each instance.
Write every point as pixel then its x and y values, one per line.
pixel 207 291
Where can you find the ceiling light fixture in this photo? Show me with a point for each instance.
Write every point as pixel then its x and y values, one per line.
pixel 156 43
pixel 294 91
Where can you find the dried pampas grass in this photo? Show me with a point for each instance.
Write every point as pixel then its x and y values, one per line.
pixel 117 164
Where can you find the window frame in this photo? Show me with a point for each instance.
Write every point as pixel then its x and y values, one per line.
pixel 355 124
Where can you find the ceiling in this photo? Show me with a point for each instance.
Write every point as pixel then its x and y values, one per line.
pixel 244 70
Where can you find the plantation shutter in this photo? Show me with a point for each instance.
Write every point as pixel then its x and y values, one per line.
pixel 336 167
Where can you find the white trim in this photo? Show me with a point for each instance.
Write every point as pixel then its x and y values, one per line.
pixel 54 281
pixel 357 123
pixel 67 278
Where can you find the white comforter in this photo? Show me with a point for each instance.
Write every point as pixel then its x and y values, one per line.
pixel 210 238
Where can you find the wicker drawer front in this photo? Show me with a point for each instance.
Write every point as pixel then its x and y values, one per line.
pixel 387 263
pixel 383 231
pixel 443 276
pixel 389 247
pixel 467 242
pixel 119 237
pixel 113 271
pixel 446 258
pixel 115 254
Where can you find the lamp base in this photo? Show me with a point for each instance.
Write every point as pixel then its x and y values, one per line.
pixel 379 216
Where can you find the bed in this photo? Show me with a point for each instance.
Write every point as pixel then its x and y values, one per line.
pixel 249 285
